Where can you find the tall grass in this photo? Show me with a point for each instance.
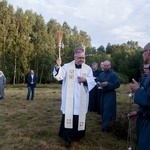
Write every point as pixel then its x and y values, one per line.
pixel 34 125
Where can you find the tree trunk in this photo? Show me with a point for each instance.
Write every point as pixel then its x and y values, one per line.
pixel 41 76
pixel 14 78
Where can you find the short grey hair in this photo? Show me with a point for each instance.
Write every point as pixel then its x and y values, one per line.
pixel 94 63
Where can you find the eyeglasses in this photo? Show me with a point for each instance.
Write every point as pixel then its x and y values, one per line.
pixel 142 52
pixel 80 58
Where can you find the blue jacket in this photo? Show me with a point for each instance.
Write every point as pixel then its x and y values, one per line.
pixel 108 96
pixel 142 98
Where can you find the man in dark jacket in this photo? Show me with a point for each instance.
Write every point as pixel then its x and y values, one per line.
pixel 108 80
pixel 142 98
pixel 31 84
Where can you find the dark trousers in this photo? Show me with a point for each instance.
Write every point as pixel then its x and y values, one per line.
pixel 31 90
pixel 99 103
pixel 93 99
pixel 71 134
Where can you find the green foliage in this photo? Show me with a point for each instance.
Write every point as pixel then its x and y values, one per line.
pixel 101 49
pixel 27 42
pixel 123 78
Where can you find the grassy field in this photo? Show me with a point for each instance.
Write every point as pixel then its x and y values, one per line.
pixel 33 125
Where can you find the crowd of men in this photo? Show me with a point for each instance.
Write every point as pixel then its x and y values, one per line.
pixel 85 88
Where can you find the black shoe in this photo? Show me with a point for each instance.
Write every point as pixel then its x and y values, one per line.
pixel 106 129
pixel 77 139
pixel 67 144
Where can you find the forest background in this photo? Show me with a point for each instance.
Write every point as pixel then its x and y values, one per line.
pixel 27 42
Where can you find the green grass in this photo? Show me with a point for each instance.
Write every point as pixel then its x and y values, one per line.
pixel 34 125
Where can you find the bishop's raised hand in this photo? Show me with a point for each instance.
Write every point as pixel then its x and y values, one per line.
pixel 58 62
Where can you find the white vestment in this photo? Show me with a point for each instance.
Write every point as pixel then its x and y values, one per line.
pixel 76 105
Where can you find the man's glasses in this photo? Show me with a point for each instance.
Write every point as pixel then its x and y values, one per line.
pixel 147 67
pixel 80 58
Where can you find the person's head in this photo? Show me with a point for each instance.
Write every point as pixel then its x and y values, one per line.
pixel 107 65
pixel 31 71
pixel 102 66
pixel 146 68
pixel 79 57
pixel 1 73
pixel 94 66
pixel 146 53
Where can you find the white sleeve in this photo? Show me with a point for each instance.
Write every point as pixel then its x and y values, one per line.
pixel 59 73
pixel 90 80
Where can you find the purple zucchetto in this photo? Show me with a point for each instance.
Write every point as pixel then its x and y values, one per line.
pixel 79 51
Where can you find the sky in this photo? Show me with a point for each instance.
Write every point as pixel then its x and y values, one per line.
pixel 105 21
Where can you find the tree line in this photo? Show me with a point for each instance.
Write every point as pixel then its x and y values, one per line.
pixel 28 42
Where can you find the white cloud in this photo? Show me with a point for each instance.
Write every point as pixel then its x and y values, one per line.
pixel 109 21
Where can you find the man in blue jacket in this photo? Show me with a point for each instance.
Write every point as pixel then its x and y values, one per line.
pixel 108 80
pixel 31 84
pixel 142 98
